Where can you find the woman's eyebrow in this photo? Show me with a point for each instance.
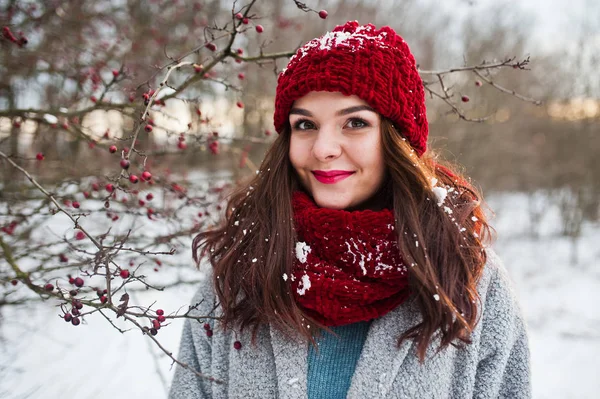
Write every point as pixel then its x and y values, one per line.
pixel 345 111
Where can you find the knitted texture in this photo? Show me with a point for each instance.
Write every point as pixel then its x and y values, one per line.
pixel 495 365
pixel 373 64
pixel 330 369
pixel 348 267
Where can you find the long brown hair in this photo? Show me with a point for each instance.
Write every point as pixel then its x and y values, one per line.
pixel 253 247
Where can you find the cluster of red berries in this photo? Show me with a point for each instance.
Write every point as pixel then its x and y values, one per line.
pixel 209 333
pixel 73 315
pixel 156 323
pixel 102 295
pixel 147 96
pixel 76 281
pixel 7 33
pixel 149 125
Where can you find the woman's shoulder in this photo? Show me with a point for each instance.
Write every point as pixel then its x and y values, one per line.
pixel 501 318
pixel 495 282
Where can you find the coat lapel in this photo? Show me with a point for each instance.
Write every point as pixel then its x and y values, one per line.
pixel 380 359
pixel 291 363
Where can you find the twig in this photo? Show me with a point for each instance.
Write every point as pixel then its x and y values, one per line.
pixel 507 91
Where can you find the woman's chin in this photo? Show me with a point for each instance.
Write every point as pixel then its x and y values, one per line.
pixel 331 201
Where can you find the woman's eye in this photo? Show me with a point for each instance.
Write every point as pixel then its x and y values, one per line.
pixel 357 123
pixel 304 125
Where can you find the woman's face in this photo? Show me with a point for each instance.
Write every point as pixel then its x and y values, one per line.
pixel 335 148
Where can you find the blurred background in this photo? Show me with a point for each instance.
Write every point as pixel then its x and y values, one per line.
pixel 73 80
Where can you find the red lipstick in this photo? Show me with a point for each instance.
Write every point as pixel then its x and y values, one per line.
pixel 331 176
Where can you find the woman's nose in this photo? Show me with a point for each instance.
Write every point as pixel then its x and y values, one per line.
pixel 327 145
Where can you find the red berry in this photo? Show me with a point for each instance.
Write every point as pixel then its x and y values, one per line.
pixel 63 258
pixel 209 333
pixel 80 235
pixel 112 149
pixel 78 282
pixel 103 299
pixel 161 318
pixel 142 202
pixel 259 28
pixel 75 311
pixel 153 331
pixel 49 287
pixel 245 21
pixel 131 98
pixel 109 187
pixel 67 317
pixel 239 15
pixel 146 175
pixel 206 326
pixel 148 128
pixel 75 204
pixel 156 324
pixel 125 164
pixel 124 273
pixel 75 321
pixel 160 312
pixel 115 73
pixel 182 145
pixel 39 156
pixel 323 14
pixel 267 132
pixel 237 345
pixel 134 179
pixel 240 104
pixel 93 98
pixel 241 76
pixel 211 46
pixel 465 99
pixel 149 197
pixel 240 51
pixel 73 292
pixel 478 83
pixel 86 194
pixel 95 186
pixel 76 305
pixel 14 282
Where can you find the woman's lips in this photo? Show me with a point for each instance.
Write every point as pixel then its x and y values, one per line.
pixel 331 176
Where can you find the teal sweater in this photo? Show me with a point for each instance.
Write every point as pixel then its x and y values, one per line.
pixel 330 370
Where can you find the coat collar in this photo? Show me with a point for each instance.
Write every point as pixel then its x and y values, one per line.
pixel 377 367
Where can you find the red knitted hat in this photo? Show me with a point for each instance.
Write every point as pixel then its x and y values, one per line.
pixel 374 64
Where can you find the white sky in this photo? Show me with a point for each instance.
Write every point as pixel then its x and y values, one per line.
pixel 557 22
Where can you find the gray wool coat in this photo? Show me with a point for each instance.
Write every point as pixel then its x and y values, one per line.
pixel 495 365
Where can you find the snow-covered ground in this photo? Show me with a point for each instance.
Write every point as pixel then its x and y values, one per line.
pixel 44 357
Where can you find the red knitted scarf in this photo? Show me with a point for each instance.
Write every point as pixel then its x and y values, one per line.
pixel 347 267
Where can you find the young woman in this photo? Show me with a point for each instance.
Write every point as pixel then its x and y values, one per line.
pixel 353 264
